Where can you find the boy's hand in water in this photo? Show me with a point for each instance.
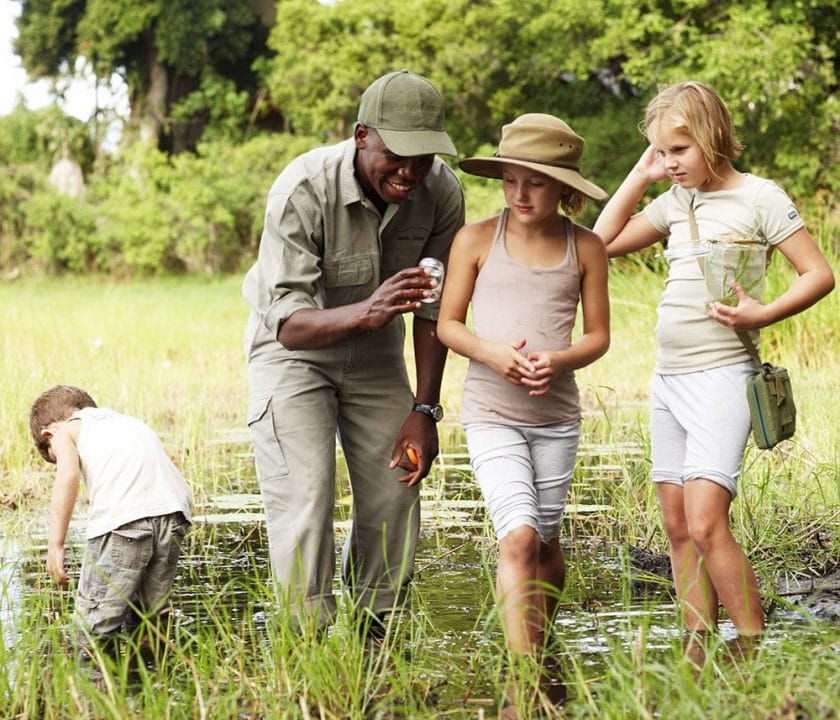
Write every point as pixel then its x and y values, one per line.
pixel 55 565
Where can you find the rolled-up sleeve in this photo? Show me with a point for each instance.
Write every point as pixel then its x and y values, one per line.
pixel 289 258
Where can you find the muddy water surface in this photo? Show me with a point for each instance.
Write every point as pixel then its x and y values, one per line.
pixel 609 601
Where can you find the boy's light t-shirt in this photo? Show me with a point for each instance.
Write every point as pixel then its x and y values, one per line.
pixel 127 473
pixel 688 339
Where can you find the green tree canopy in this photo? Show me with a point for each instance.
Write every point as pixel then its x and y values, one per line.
pixel 772 61
pixel 206 67
pixel 166 51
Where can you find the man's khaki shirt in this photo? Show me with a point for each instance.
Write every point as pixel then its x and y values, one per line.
pixel 325 245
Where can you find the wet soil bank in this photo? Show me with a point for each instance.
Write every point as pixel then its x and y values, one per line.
pixel 817 593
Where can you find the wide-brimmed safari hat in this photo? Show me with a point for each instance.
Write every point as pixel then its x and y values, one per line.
pixel 541 142
pixel 407 112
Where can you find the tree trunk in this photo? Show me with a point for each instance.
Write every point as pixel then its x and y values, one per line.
pixel 266 11
pixel 148 106
pixel 153 114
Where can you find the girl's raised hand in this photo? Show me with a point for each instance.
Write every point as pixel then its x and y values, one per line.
pixel 651 165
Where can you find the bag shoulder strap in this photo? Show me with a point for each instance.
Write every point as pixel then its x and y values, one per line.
pixel 744 337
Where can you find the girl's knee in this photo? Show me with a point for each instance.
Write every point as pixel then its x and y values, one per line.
pixel 706 532
pixel 522 544
pixel 676 530
pixel 550 548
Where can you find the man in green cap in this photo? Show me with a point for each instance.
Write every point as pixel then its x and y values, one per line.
pixel 345 228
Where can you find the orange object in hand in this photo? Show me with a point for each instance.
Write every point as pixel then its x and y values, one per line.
pixel 412 455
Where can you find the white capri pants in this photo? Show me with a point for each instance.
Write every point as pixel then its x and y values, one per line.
pixel 524 473
pixel 699 424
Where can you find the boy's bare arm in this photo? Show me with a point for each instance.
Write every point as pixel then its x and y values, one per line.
pixel 65 490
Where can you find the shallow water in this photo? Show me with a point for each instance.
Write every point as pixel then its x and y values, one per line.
pixel 11 589
pixel 602 607
pixel 600 610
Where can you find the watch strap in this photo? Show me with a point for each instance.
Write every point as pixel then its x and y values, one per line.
pixel 435 412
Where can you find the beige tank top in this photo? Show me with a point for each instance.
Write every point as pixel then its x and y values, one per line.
pixel 512 301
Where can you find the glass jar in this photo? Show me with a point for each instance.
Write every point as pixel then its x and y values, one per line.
pixel 735 258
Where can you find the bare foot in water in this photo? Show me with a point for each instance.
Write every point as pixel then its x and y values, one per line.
pixel 694 647
pixel 743 647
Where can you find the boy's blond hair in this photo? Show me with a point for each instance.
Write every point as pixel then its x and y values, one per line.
pixel 54 405
pixel 697 110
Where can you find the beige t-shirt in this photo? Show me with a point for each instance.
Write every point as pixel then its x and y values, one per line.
pixel 511 301
pixel 688 339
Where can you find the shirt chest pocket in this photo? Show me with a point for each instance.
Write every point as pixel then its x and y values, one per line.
pixel 347 281
pixel 404 249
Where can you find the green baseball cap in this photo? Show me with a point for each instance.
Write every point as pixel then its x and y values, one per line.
pixel 407 112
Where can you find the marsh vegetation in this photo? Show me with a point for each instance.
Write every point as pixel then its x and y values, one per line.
pixel 168 351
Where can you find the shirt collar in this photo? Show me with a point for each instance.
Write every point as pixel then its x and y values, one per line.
pixel 351 191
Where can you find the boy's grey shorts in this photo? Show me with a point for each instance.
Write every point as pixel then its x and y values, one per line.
pixel 129 572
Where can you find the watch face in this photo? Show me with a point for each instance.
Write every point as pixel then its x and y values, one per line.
pixel 433 411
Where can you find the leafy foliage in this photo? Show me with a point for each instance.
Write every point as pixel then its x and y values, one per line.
pixel 595 64
pixel 163 50
pixel 42 137
pixel 772 61
pixel 147 213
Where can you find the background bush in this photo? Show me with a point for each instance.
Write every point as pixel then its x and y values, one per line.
pixel 258 89
pixel 146 212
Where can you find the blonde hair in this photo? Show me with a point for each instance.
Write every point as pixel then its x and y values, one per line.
pixel 695 109
pixel 54 405
pixel 572 201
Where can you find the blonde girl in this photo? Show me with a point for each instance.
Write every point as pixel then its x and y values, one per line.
pixel 524 272
pixel 699 419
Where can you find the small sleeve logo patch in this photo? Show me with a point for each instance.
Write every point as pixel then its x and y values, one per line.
pixel 792 214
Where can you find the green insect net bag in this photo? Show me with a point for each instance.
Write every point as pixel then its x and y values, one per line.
pixel 772 410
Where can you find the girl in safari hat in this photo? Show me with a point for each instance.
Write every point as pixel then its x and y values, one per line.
pixel 699 416
pixel 524 271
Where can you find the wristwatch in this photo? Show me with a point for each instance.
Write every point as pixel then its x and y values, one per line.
pixel 433 411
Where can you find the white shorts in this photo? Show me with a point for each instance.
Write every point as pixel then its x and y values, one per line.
pixel 699 424
pixel 524 473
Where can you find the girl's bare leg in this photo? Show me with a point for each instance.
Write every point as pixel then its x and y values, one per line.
pixel 726 564
pixel 551 577
pixel 519 554
pixel 530 575
pixel 695 590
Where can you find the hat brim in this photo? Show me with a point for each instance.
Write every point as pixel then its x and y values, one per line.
pixel 410 143
pixel 492 168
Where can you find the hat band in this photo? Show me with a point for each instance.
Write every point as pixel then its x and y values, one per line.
pixel 568 166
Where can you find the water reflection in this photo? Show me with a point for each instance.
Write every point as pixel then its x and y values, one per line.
pixel 11 590
pixel 453 586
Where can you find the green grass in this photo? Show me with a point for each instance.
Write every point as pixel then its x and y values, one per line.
pixel 169 351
